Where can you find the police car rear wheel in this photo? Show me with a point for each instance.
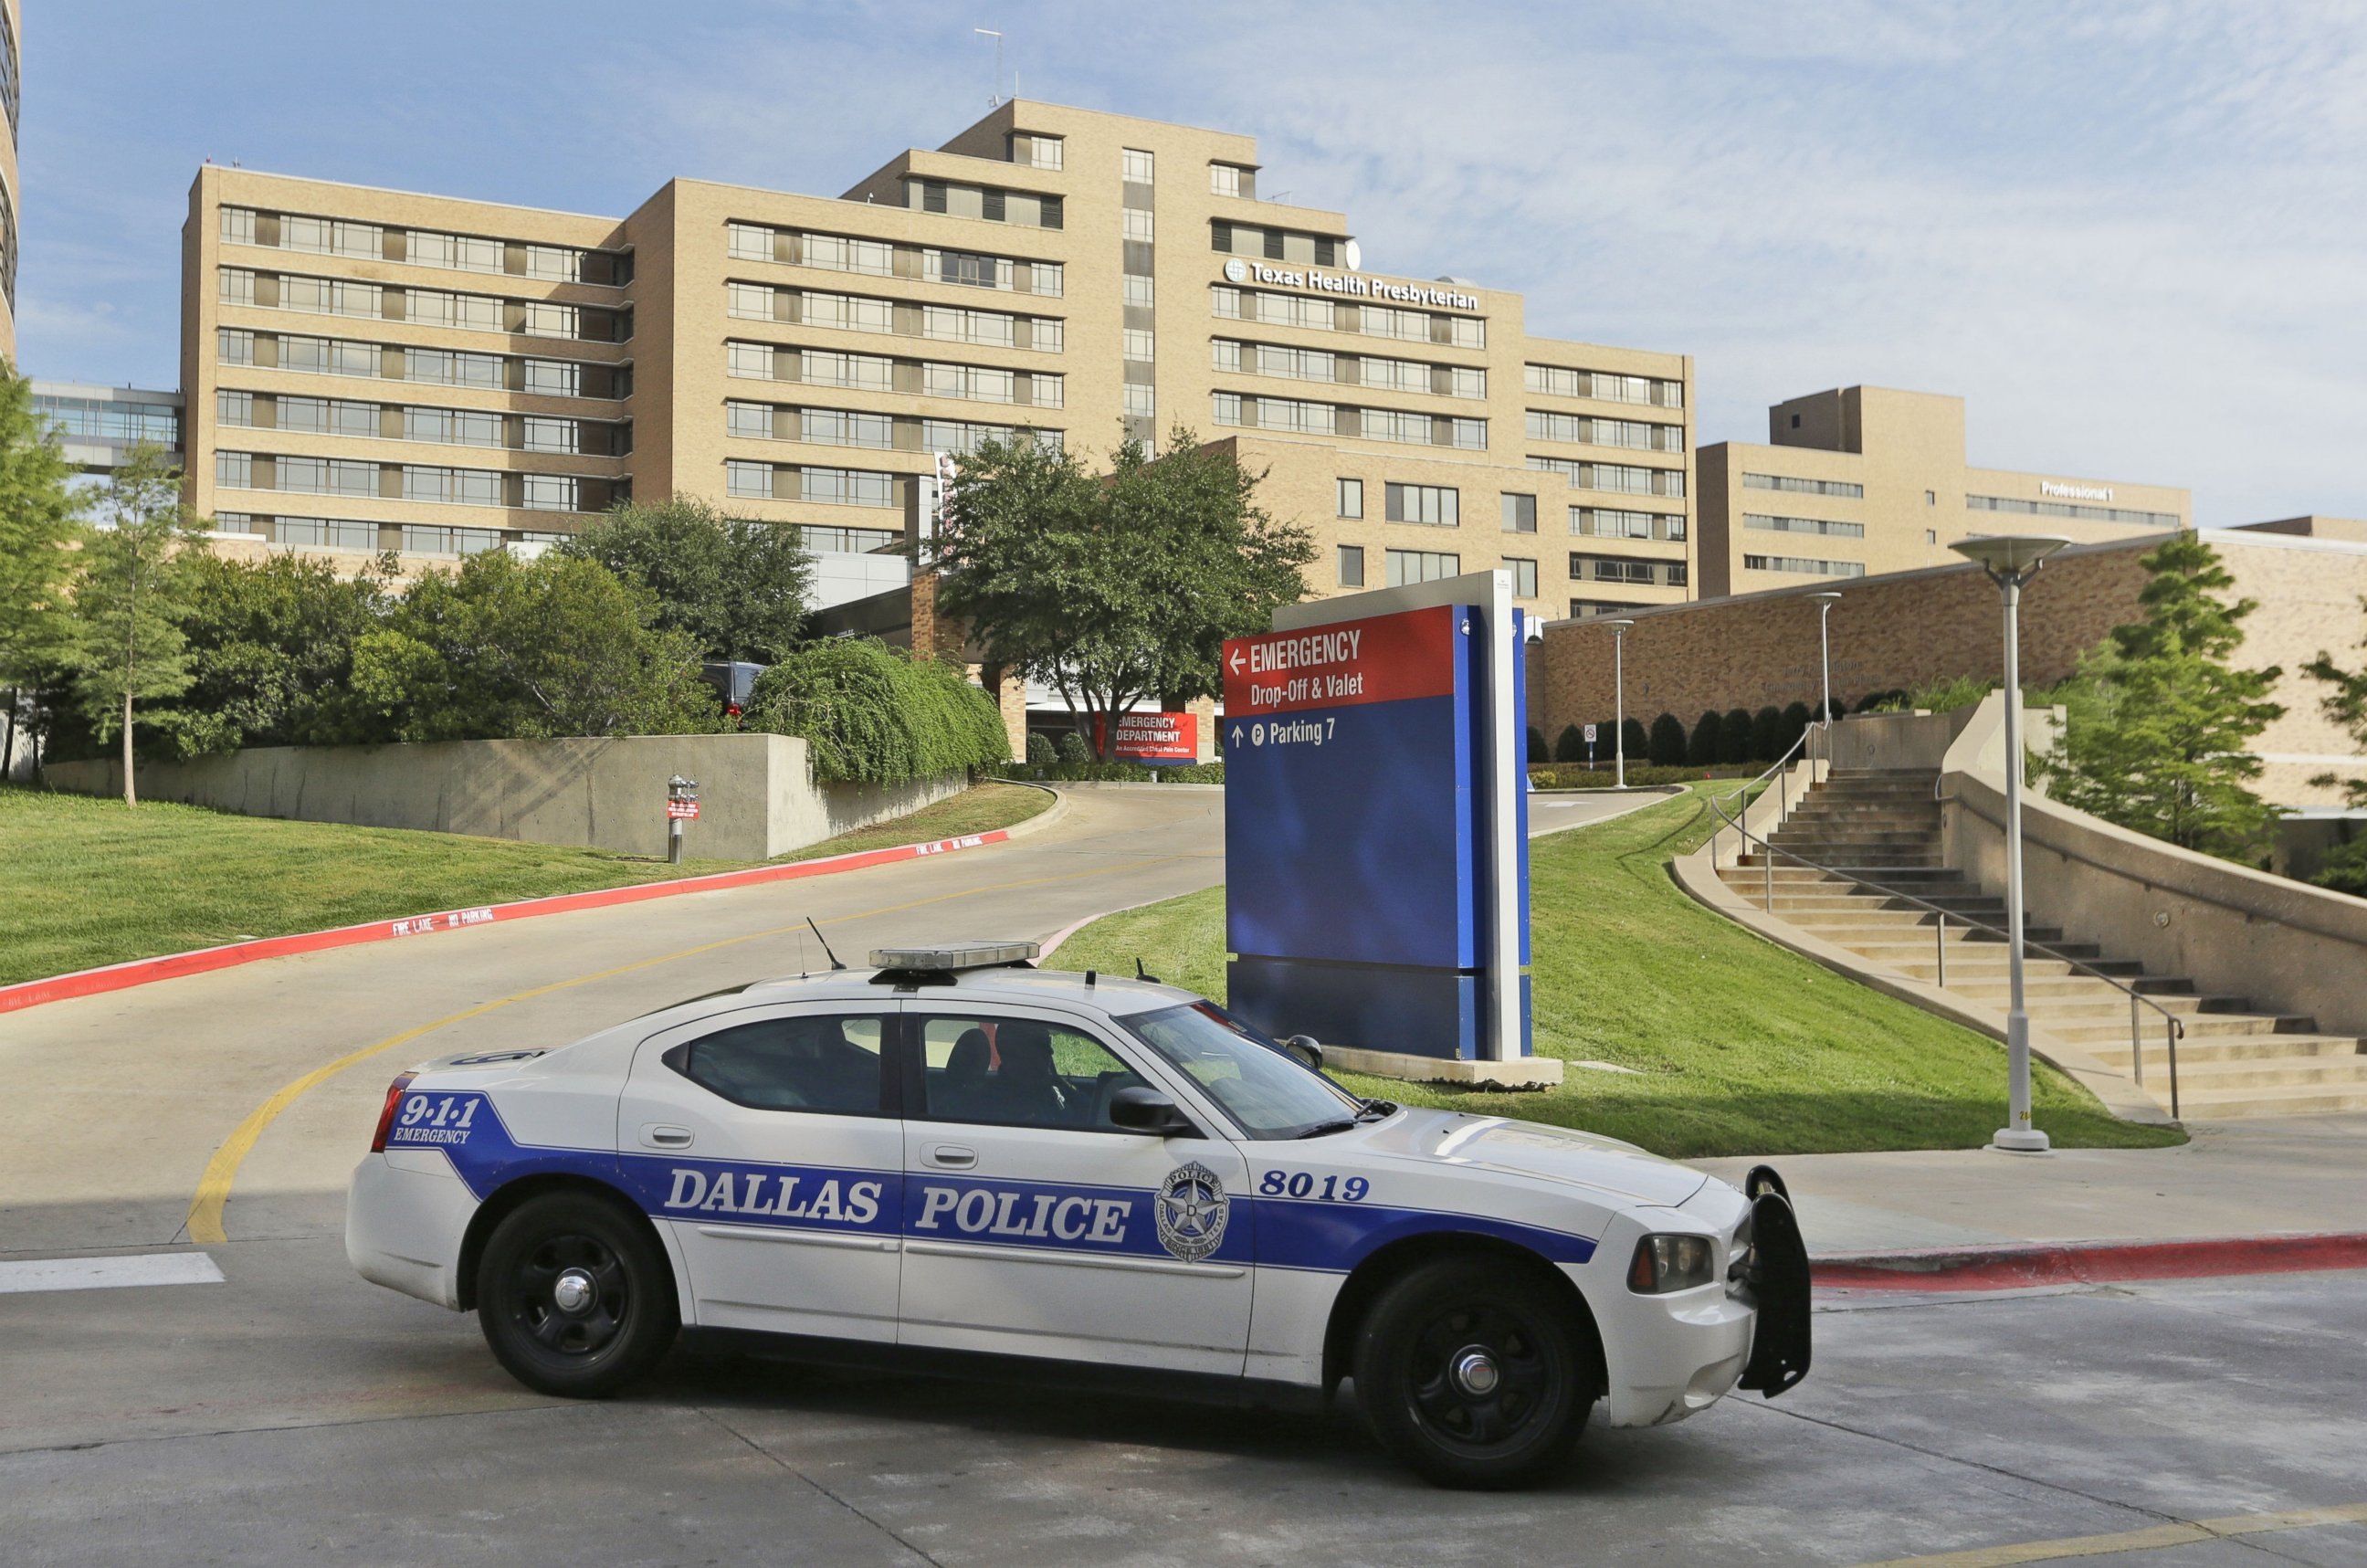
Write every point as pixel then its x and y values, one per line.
pixel 574 1296
pixel 1470 1373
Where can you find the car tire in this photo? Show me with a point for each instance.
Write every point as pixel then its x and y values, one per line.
pixel 575 1296
pixel 1474 1374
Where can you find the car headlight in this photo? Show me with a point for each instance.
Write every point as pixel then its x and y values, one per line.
pixel 1664 1264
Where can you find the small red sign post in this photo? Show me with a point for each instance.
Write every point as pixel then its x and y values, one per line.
pixel 1154 738
pixel 681 811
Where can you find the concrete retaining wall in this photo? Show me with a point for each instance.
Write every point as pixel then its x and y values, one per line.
pixel 2288 947
pixel 756 796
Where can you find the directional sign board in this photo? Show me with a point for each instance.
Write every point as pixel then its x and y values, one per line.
pixel 1155 739
pixel 1374 839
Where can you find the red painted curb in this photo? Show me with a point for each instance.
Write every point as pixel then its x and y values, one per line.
pixel 2087 1263
pixel 173 966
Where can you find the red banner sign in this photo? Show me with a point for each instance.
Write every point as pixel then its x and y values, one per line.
pixel 1389 658
pixel 684 810
pixel 1154 737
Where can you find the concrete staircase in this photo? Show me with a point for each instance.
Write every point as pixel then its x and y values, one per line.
pixel 1884 828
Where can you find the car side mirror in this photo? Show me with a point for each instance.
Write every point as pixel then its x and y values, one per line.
pixel 1138 1108
pixel 1305 1048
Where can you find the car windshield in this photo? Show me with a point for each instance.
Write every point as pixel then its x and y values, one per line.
pixel 1267 1094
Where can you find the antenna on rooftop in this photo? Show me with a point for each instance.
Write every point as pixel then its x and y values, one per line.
pixel 995 96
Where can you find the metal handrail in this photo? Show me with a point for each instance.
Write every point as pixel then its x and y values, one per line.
pixel 1783 795
pixel 2174 1028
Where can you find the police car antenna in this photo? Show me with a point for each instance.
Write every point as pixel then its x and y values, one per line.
pixel 825 943
pixel 1142 973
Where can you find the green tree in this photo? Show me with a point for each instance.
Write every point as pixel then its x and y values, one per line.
pixel 1766 729
pixel 737 585
pixel 877 715
pixel 1668 741
pixel 1733 737
pixel 1633 740
pixel 2346 704
pixel 271 651
pixel 1791 726
pixel 506 648
pixel 39 529
pixel 126 647
pixel 1708 740
pixel 1570 745
pixel 1115 588
pixel 2165 747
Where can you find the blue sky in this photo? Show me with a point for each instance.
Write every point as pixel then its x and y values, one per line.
pixel 2131 236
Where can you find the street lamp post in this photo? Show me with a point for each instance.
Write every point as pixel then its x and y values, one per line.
pixel 1825 602
pixel 2010 560
pixel 1619 700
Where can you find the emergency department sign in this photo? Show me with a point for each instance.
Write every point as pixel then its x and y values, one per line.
pixel 1363 864
pixel 1154 739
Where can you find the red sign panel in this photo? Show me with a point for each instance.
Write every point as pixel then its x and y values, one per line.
pixel 684 810
pixel 1154 737
pixel 1390 658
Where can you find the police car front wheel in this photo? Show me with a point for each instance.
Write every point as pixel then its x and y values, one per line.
pixel 574 1296
pixel 1472 1374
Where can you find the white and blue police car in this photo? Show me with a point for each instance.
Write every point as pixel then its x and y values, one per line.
pixel 961 1163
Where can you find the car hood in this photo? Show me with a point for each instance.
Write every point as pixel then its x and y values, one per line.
pixel 1558 1155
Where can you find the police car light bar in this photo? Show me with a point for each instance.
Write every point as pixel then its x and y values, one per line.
pixel 955 956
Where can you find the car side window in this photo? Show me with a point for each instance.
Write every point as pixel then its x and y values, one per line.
pixel 1018 1072
pixel 814 1063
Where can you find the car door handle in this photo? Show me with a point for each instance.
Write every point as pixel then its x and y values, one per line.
pixel 659 1136
pixel 950 1156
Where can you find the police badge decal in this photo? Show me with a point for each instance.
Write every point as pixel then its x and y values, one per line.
pixel 1191 1208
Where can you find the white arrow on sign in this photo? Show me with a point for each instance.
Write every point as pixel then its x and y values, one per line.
pixel 1236 660
pixel 1237 734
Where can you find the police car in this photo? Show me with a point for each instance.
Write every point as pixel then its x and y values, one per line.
pixel 958 1161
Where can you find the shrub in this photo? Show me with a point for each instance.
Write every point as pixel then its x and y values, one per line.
pixel 1795 723
pixel 1039 747
pixel 1708 740
pixel 1563 776
pixel 1891 700
pixel 1073 749
pixel 873 714
pixel 1946 696
pixel 1668 741
pixel 1765 725
pixel 1633 741
pixel 1571 745
pixel 1537 752
pixel 1733 737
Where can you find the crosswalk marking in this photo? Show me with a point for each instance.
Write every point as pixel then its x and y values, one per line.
pixel 107 1273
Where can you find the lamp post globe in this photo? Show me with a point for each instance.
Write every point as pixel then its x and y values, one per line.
pixel 2010 559
pixel 1619 700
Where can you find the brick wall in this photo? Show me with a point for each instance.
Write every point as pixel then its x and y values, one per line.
pixel 1907 630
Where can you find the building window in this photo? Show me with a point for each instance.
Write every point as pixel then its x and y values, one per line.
pixel 325 533
pixel 236 285
pixel 324 237
pixel 562 436
pixel 846 487
pixel 1588 609
pixel 845 427
pixel 235 470
pixel 1352 565
pixel 235 345
pixel 545 320
pixel 238 225
pixel 2066 509
pixel 1525 576
pixel 749 242
pixel 1520 514
pixel 848 541
pixel 1050 390
pixel 748 301
pixel 971 383
pixel 1037 152
pixel 452 486
pixel 1134 166
pixel 1141 402
pixel 1931 536
pixel 1407 566
pixel 1616 569
pixel 1139 290
pixel 421 540
pixel 1351 497
pixel 233 407
pixel 1224 179
pixel 1434 504
pixel 1139 225
pixel 1803 565
pixel 1225 409
pixel 456 253
pixel 554 378
pixel 549 493
pixel 556 264
pixel 748 419
pixel 1802 486
pixel 1930 497
pixel 1136 344
pixel 1805 525
pixel 836 252
pixel 972 270
pixel 748 480
pixel 752 360
pixel 827 368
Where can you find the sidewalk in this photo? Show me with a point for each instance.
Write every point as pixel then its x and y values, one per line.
pixel 2297 1176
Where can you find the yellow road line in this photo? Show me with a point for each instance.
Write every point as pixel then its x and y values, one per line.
pixel 205 1220
pixel 2180 1533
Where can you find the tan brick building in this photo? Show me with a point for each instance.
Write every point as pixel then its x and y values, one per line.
pixel 1861 481
pixel 373 370
pixel 1911 629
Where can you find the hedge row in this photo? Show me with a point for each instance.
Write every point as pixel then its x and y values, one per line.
pixel 873 714
pixel 1108 773
pixel 1727 739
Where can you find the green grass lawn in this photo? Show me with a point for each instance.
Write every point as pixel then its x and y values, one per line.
pixel 88 882
pixel 1738 1046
